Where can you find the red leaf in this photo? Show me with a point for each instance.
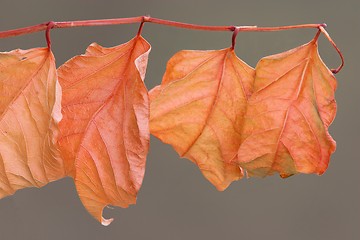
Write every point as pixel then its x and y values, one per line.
pixel 105 127
pixel 287 120
pixel 199 108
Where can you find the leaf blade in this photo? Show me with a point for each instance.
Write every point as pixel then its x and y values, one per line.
pixel 289 114
pixel 197 109
pixel 29 114
pixel 105 131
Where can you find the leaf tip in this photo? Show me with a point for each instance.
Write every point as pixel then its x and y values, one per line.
pixel 286 175
pixel 106 222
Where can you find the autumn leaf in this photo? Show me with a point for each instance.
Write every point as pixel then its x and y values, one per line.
pixel 199 108
pixel 287 119
pixel 29 113
pixel 105 132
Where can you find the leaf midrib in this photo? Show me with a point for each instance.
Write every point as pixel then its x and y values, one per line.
pixel 92 118
pixel 211 107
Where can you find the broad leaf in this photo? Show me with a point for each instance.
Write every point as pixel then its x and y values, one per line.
pixel 287 120
pixel 29 113
pixel 105 131
pixel 199 109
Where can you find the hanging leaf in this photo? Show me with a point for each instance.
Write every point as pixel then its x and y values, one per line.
pixel 287 119
pixel 199 108
pixel 29 113
pixel 105 133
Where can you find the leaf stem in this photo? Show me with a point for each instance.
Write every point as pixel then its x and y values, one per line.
pixel 336 70
pixel 49 26
pixel 233 38
pixel 142 19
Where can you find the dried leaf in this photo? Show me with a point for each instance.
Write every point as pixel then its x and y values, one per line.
pixel 199 109
pixel 105 126
pixel 287 120
pixel 29 113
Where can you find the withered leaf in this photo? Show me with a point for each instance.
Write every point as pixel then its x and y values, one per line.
pixel 105 132
pixel 199 108
pixel 29 114
pixel 287 119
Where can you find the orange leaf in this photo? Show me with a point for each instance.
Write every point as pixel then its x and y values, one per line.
pixel 105 131
pixel 287 120
pixel 199 109
pixel 29 113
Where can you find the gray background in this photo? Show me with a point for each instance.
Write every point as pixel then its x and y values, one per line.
pixel 176 202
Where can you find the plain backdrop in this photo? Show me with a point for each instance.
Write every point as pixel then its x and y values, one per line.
pixel 175 201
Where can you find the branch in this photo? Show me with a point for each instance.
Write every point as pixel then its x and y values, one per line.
pixel 142 19
pixel 118 21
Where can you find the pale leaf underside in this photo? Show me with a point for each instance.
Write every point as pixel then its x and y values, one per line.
pixel 29 113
